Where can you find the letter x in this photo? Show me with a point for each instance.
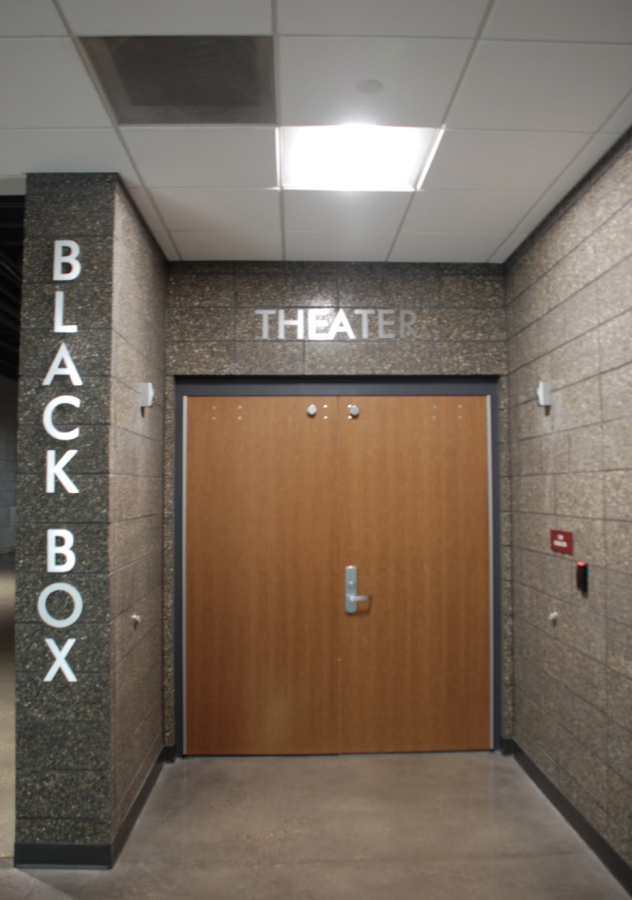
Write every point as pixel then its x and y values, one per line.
pixel 60 659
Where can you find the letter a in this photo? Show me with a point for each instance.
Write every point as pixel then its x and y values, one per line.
pixel 341 324
pixel 63 365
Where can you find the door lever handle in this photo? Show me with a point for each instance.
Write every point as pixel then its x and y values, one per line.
pixel 352 598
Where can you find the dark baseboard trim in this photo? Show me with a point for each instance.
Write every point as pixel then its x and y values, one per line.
pixel 507 746
pixel 63 856
pixel 86 856
pixel 130 819
pixel 609 857
pixel 168 755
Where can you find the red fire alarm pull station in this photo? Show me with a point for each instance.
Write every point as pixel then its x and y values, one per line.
pixel 562 541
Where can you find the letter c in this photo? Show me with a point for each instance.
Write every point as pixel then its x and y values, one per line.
pixel 47 417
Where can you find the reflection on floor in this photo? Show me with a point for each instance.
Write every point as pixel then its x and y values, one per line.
pixel 429 827
pixel 7 707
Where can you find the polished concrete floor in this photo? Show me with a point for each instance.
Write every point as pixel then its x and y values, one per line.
pixel 426 827
pixel 457 826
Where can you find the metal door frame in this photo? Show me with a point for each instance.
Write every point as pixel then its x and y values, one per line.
pixel 335 386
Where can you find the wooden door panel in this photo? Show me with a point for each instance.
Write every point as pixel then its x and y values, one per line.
pixel 262 654
pixel 414 520
pixel 278 503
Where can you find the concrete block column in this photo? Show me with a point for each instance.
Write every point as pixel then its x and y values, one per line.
pixel 89 500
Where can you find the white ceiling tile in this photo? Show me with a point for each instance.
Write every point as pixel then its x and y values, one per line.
pixel 146 207
pixel 459 212
pixel 216 209
pixel 547 93
pixel 238 245
pixel 540 211
pixel 35 18
pixel 423 18
pixel 64 150
pixel 164 241
pixel 337 246
pixel 510 246
pixel 590 154
pixel 12 186
pixel 43 84
pixel 501 160
pixel 204 157
pixel 561 20
pixel 543 86
pixel 319 78
pixel 344 211
pixel 147 17
pixel 412 246
pixel 621 119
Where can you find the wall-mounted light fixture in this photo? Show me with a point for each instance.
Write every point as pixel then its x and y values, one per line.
pixel 543 393
pixel 147 394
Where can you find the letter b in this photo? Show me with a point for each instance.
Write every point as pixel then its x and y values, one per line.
pixel 54 550
pixel 66 265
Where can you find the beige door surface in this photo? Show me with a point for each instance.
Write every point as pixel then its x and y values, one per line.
pixel 278 503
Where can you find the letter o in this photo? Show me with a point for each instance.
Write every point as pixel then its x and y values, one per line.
pixel 74 594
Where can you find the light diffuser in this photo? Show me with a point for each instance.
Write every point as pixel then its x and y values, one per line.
pixel 353 157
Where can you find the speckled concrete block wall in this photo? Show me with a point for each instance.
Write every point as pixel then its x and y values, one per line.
pixel 85 746
pixel 569 318
pixel 136 502
pixel 213 329
pixel 8 462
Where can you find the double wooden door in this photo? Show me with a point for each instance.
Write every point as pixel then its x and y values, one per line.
pixel 283 493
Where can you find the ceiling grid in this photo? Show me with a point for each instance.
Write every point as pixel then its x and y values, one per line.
pixel 532 96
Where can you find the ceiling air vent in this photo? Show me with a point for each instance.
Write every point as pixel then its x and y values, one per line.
pixel 186 80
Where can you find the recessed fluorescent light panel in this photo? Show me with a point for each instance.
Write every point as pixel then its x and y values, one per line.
pixel 438 137
pixel 354 157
